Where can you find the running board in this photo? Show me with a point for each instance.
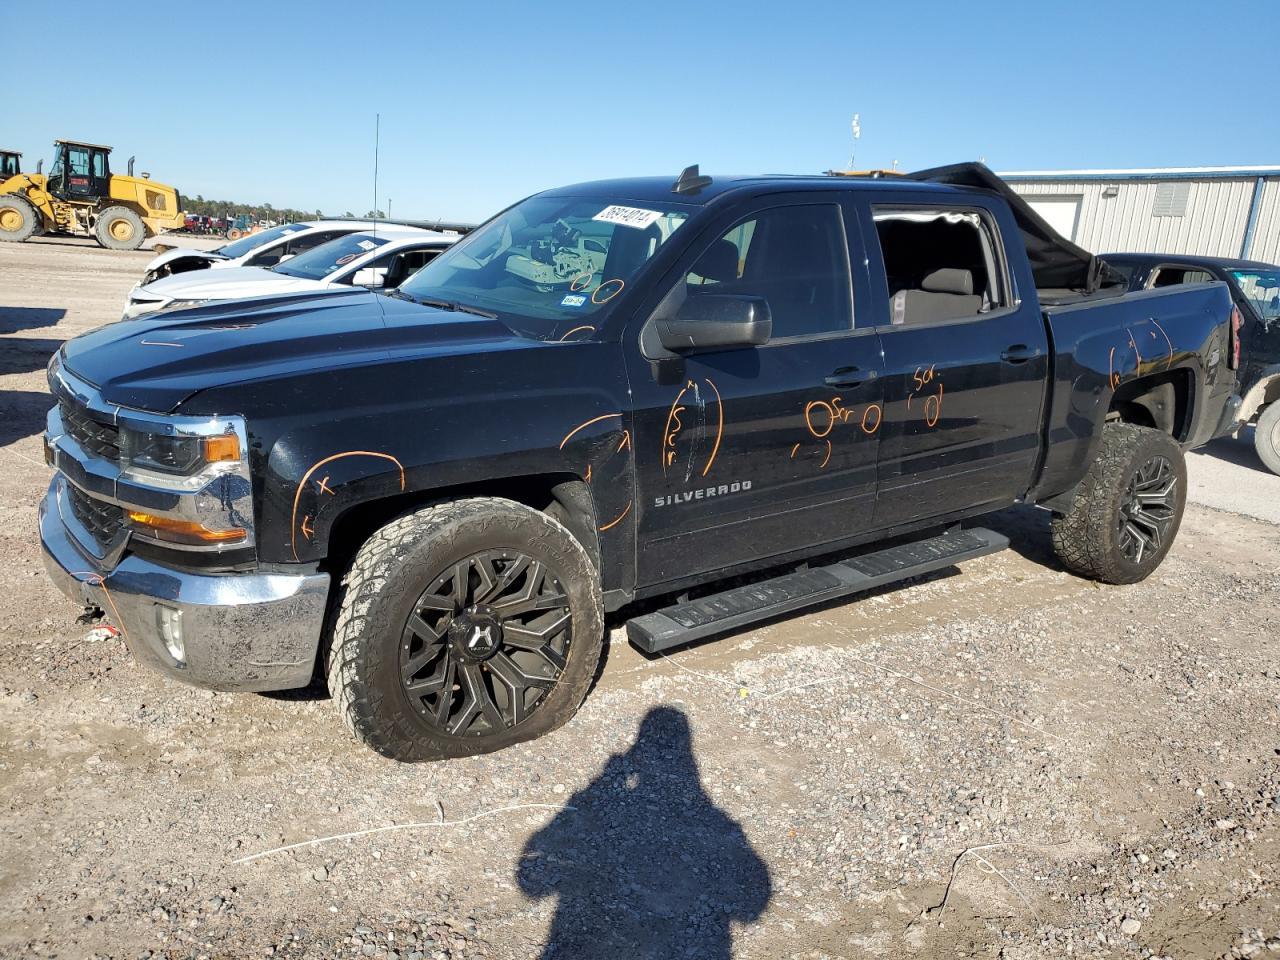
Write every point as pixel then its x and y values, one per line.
pixel 719 613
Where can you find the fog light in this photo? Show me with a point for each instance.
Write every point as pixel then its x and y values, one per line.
pixel 169 621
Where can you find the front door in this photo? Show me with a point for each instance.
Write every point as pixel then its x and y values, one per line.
pixel 744 454
pixel 965 364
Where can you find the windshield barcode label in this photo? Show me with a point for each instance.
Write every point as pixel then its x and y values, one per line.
pixel 628 216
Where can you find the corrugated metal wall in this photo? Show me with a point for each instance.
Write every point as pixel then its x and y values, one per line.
pixel 1266 233
pixel 1213 225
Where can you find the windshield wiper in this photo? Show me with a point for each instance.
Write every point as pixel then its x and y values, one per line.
pixel 445 305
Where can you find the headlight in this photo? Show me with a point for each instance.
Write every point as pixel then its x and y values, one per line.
pixel 177 454
pixel 202 460
pixel 183 304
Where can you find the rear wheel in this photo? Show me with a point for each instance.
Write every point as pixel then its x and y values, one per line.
pixel 119 228
pixel 463 628
pixel 1127 510
pixel 1266 437
pixel 18 218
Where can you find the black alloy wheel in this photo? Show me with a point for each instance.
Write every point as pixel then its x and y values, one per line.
pixel 486 643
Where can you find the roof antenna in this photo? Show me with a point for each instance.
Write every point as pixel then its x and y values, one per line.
pixel 377 130
pixel 690 181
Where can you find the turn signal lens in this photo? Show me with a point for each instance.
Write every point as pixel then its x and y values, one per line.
pixel 182 531
pixel 222 448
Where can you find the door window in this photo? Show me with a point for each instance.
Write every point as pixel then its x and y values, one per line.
pixel 1173 276
pixel 99 164
pixel 78 157
pixel 795 258
pixel 940 265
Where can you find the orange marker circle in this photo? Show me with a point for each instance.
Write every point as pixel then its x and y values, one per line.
pixel 808 418
pixel 879 416
pixel 595 297
pixel 585 277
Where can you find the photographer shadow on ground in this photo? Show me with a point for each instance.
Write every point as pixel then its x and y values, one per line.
pixel 642 861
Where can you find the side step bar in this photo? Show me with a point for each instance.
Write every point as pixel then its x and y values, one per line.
pixel 719 613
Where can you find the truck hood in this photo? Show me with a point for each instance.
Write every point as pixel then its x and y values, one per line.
pixel 182 253
pixel 226 284
pixel 157 361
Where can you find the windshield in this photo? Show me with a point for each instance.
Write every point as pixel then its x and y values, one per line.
pixel 318 262
pixel 238 248
pixel 1262 289
pixel 547 265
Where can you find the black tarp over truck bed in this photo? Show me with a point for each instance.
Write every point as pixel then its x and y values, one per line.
pixel 1062 270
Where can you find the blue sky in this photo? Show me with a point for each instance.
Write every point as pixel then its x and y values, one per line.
pixel 483 103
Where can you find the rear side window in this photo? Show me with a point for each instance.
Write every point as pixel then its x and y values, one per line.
pixel 939 264
pixel 795 258
pixel 1173 276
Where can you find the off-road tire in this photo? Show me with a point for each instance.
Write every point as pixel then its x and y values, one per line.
pixel 18 218
pixel 111 218
pixel 386 579
pixel 1266 437
pixel 1087 538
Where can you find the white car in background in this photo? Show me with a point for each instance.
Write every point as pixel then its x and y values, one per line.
pixel 265 248
pixel 379 259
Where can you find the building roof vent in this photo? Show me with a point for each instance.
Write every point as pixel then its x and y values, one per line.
pixel 1171 198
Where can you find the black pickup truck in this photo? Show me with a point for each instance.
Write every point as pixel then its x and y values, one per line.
pixel 609 392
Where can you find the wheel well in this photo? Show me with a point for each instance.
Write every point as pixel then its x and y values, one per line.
pixel 564 497
pixel 1162 401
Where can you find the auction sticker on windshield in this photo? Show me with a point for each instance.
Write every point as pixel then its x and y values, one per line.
pixel 628 216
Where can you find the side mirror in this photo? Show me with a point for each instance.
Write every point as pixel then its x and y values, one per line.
pixel 369 277
pixel 713 321
pixel 287 256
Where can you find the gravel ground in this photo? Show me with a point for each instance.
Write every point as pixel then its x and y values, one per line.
pixel 998 761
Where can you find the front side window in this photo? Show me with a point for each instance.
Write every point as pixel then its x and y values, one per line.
pixel 794 257
pixel 939 264
pixel 550 263
pixel 326 258
pixel 78 157
pixel 1262 289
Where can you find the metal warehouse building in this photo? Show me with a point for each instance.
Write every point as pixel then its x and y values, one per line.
pixel 1210 211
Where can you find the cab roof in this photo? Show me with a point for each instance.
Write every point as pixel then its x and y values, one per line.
pixel 82 143
pixel 662 188
pixel 1223 263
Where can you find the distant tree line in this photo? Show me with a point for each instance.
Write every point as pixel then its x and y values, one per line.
pixel 198 205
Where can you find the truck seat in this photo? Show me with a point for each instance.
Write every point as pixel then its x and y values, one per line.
pixel 945 294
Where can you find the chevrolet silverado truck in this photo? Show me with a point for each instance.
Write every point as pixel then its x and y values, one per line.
pixel 615 392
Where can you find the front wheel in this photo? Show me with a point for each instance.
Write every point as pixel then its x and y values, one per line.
pixel 1266 437
pixel 463 628
pixel 1127 510
pixel 119 228
pixel 18 218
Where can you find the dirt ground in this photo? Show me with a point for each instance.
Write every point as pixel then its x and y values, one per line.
pixel 999 761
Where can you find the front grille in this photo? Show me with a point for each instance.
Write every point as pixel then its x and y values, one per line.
pixel 103 520
pixel 97 438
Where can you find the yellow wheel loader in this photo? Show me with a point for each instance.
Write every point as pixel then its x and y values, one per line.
pixel 80 196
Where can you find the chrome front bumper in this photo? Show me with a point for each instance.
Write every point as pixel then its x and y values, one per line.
pixel 239 631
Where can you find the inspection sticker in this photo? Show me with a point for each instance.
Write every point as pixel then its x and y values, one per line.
pixel 366 244
pixel 573 300
pixel 628 216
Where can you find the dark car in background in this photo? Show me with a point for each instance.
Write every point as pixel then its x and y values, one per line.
pixel 1255 288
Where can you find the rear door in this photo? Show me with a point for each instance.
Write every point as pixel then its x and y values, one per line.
pixel 747 453
pixel 965 359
